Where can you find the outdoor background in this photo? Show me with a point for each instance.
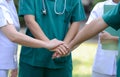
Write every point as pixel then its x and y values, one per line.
pixel 83 55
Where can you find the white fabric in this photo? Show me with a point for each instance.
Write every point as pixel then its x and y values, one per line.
pixel 8 49
pixel 98 10
pixel 5 14
pixel 95 74
pixel 3 73
pixel 105 60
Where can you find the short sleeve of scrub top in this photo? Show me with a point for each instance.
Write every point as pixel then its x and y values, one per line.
pixel 78 12
pixel 5 17
pixel 112 18
pixel 27 8
pixel 2 19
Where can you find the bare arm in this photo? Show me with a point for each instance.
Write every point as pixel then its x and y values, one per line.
pixel 35 28
pixel 17 37
pixel 73 30
pixel 89 31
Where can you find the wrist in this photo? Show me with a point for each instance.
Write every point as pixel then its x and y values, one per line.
pixel 70 46
pixel 45 45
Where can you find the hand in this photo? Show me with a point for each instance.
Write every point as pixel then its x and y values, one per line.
pixel 61 51
pixel 14 73
pixel 105 37
pixel 57 55
pixel 52 44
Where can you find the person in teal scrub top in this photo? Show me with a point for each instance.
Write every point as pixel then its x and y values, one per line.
pixel 48 19
pixel 111 18
pixel 10 36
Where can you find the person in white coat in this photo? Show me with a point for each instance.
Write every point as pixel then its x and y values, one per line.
pixel 9 27
pixel 105 59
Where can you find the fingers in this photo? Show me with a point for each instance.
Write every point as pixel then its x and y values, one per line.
pixel 62 49
pixel 57 55
pixel 105 35
pixel 58 42
pixel 59 47
pixel 53 44
pixel 14 73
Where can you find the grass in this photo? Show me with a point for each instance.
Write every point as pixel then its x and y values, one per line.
pixel 82 57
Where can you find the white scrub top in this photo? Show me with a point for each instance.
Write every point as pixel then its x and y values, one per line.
pixel 8 49
pixel 105 60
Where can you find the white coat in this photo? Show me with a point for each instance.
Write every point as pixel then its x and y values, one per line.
pixel 105 60
pixel 8 49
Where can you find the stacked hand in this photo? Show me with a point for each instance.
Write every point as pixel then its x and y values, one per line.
pixel 53 44
pixel 59 48
pixel 61 51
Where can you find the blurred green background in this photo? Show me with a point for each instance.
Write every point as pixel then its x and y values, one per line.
pixel 83 57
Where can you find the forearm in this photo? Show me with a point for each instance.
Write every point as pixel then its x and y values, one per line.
pixel 27 41
pixel 35 28
pixel 20 38
pixel 73 30
pixel 89 31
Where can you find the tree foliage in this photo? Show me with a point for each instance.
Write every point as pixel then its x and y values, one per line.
pixel 96 1
pixel 22 23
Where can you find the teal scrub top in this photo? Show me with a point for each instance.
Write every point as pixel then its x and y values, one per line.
pixel 112 18
pixel 111 45
pixel 53 25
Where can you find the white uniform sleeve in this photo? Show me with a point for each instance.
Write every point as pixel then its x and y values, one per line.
pixel 96 12
pixel 2 19
pixel 5 16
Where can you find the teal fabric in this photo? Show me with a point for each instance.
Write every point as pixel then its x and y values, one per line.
pixel 112 18
pixel 53 25
pixel 27 70
pixel 111 45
